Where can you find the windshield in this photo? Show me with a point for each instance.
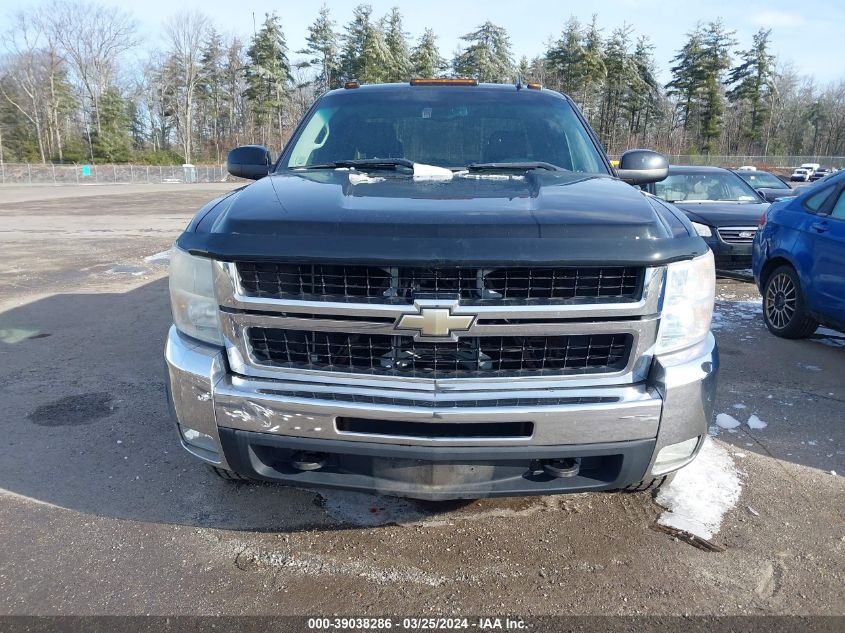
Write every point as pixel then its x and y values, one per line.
pixel 705 187
pixel 761 179
pixel 449 127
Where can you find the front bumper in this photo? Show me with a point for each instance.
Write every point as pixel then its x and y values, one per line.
pixel 729 256
pixel 256 427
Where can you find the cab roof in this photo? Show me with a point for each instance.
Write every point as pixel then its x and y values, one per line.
pixel 407 86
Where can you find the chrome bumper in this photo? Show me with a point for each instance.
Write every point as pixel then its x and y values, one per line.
pixel 675 403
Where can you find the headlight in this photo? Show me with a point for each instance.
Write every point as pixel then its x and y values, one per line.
pixel 687 303
pixel 192 298
pixel 702 229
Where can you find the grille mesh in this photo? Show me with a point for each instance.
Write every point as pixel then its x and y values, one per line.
pixel 733 235
pixel 322 282
pixel 467 357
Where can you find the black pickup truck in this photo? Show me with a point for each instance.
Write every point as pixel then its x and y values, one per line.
pixel 439 290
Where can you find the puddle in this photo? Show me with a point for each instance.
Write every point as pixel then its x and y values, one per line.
pixel 75 410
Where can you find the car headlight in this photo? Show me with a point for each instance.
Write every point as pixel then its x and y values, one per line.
pixel 702 229
pixel 687 303
pixel 192 298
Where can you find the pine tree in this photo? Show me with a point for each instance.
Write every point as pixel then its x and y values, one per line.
pixel 688 80
pixel 715 60
pixel 426 60
pixel 487 56
pixel 212 90
pixel 565 58
pixel 322 47
pixel 593 71
pixel 752 82
pixel 397 45
pixel 365 54
pixel 111 143
pixel 620 75
pixel 268 74
pixel 642 103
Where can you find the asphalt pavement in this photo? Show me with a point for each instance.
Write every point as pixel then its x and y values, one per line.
pixel 101 512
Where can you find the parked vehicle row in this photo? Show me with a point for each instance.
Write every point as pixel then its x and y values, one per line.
pixel 723 208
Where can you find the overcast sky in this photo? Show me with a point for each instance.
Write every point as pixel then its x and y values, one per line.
pixel 806 34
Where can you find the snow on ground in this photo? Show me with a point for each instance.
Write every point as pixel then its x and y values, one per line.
pixel 829 337
pixel 702 493
pixel 729 314
pixel 159 258
pixel 756 423
pixel 725 421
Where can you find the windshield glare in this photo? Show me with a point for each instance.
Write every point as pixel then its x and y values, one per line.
pixel 450 128
pixel 705 187
pixel 761 179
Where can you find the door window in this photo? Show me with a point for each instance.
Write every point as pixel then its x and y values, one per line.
pixel 838 210
pixel 815 202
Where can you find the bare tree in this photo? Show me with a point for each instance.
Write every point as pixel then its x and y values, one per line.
pixel 93 38
pixel 185 33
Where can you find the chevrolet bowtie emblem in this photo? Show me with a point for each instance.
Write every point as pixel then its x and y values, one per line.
pixel 435 322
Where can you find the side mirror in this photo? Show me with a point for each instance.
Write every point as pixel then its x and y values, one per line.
pixel 642 166
pixel 249 161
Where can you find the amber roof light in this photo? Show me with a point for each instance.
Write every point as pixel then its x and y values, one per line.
pixel 351 84
pixel 534 86
pixel 444 82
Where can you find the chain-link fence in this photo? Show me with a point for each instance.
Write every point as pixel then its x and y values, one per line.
pixel 39 174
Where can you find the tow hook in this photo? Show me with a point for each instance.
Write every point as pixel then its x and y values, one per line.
pixel 560 468
pixel 304 460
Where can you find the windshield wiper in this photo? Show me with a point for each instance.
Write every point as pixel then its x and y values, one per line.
pixel 526 166
pixel 371 163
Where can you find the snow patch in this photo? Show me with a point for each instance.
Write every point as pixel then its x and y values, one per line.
pixel 756 423
pixel 356 178
pixel 702 493
pixel 431 172
pixel 725 421
pixel 159 258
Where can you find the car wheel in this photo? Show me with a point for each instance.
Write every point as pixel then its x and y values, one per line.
pixel 784 307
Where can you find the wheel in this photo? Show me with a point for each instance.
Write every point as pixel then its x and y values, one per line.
pixel 227 475
pixel 784 307
pixel 649 484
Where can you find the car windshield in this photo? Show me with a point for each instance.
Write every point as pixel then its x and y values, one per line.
pixel 762 179
pixel 449 127
pixel 705 187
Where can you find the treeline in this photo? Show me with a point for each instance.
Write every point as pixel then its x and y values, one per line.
pixel 77 84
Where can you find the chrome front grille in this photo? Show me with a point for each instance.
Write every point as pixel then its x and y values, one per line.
pixel 737 234
pixel 473 285
pixel 531 328
pixel 468 357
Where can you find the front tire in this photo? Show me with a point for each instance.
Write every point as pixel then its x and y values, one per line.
pixel 227 475
pixel 784 306
pixel 650 484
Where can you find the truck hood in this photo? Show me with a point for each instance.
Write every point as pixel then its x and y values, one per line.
pixel 724 213
pixel 350 216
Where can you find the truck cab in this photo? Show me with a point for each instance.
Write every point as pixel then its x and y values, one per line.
pixel 443 289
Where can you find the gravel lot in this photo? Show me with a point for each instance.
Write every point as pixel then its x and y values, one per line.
pixel 103 513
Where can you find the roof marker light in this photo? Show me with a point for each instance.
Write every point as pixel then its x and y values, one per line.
pixel 351 84
pixel 534 86
pixel 444 82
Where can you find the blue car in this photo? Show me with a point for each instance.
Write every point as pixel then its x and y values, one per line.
pixel 799 261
